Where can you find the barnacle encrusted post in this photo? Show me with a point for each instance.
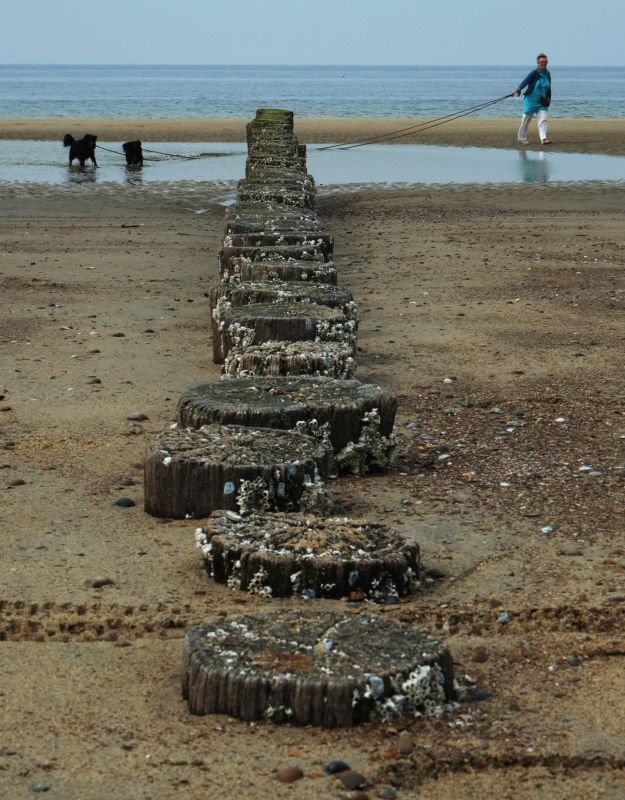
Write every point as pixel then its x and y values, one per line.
pixel 273 316
pixel 347 407
pixel 373 450
pixel 292 237
pixel 294 193
pixel 328 359
pixel 248 292
pixel 315 668
pixel 244 268
pixel 302 554
pixel 288 321
pixel 261 160
pixel 304 252
pixel 248 217
pixel 193 472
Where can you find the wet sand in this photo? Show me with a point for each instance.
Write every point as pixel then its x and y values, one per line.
pixel 568 135
pixel 497 316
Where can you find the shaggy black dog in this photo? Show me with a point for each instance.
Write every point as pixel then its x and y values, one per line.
pixel 134 153
pixel 81 149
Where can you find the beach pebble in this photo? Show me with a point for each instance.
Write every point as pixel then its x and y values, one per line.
pixel 387 793
pixel 127 482
pixel 5 408
pixel 503 618
pixel 148 330
pixel 289 774
pixel 99 582
pixel 17 482
pixel 137 416
pixel 93 380
pixel 124 502
pixel 405 744
pixel 351 779
pixel 480 655
pixel 40 787
pixel 571 551
pixel 118 335
pixel 334 767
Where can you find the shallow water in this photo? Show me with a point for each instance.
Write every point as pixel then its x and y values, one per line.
pixel 46 163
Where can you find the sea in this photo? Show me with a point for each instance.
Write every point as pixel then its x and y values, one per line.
pixel 36 91
pixel 160 91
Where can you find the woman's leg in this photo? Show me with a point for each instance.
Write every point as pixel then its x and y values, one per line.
pixel 541 119
pixel 525 121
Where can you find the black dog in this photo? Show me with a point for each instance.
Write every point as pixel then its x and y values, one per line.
pixel 134 153
pixel 82 149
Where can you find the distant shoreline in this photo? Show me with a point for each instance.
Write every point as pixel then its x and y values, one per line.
pixel 600 136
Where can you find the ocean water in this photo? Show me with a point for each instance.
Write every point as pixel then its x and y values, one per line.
pixel 28 91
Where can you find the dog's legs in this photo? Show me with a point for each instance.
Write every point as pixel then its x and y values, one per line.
pixel 95 163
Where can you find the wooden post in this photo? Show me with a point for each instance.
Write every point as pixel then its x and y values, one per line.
pixel 281 403
pixel 288 321
pixel 309 556
pixel 328 359
pixel 315 668
pixel 191 473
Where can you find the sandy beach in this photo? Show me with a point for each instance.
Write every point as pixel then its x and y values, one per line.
pixel 569 135
pixel 495 314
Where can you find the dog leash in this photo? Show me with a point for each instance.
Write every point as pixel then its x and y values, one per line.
pixel 400 133
pixel 161 153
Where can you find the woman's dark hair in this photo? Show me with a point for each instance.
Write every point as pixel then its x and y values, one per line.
pixel 541 55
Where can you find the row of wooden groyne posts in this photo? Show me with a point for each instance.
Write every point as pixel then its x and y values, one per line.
pixel 250 456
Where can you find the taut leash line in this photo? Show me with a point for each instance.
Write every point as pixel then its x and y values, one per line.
pixel 421 126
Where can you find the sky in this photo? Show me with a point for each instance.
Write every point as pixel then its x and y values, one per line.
pixel 453 32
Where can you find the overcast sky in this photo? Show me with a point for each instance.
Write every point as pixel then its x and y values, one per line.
pixel 572 32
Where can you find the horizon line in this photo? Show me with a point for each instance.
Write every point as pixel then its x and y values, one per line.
pixel 594 65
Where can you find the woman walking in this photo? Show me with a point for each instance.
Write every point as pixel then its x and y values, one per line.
pixel 537 99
